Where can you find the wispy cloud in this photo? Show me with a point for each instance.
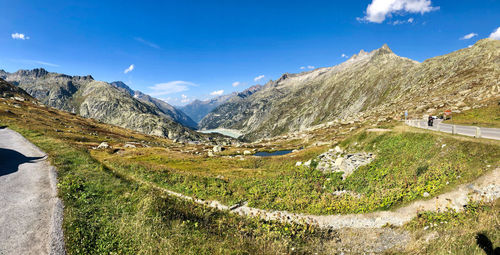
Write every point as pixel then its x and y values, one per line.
pixel 147 43
pixel 236 84
pixel 399 22
pixel 495 34
pixel 129 69
pixel 170 88
pixel 258 78
pixel 378 10
pixel 306 67
pixel 344 56
pixel 35 62
pixel 18 36
pixel 468 36
pixel 217 92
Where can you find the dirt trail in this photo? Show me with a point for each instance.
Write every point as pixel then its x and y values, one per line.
pixel 30 211
pixel 486 188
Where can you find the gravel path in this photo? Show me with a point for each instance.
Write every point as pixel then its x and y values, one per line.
pixel 30 211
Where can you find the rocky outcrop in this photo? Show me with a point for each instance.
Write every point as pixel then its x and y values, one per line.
pixel 335 160
pixel 8 90
pixel 98 100
pixel 377 84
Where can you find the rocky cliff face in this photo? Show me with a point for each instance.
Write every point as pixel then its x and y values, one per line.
pixel 377 83
pixel 98 100
pixel 164 108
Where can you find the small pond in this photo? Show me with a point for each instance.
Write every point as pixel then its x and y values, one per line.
pixel 274 153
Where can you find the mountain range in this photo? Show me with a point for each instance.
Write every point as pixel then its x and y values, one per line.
pixel 368 85
pixel 112 103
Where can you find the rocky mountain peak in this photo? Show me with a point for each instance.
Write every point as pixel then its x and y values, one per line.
pixel 35 73
pixel 384 50
pixel 123 86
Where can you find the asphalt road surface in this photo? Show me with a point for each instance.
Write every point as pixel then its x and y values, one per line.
pixel 30 212
pixel 489 133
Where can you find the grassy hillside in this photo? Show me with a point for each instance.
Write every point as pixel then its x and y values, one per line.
pixel 106 211
pixel 486 116
pixel 407 165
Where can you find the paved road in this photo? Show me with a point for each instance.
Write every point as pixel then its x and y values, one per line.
pixel 490 133
pixel 30 212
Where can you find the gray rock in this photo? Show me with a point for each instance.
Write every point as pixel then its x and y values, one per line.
pixel 103 145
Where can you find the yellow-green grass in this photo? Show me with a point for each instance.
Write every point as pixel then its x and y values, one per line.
pixel 487 116
pixel 454 232
pixel 408 164
pixel 108 213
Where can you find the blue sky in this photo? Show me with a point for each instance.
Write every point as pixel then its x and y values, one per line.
pixel 181 50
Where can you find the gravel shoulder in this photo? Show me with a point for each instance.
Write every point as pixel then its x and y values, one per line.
pixel 30 211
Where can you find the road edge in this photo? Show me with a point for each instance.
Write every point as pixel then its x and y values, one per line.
pixel 56 235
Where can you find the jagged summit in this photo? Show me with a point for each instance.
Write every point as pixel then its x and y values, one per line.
pixel 385 48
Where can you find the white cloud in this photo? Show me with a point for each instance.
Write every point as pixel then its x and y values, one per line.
pixel 379 10
pixel 468 36
pixel 147 43
pixel 18 36
pixel 308 67
pixel 410 20
pixel 236 84
pixel 495 34
pixel 217 92
pixel 344 56
pixel 170 88
pixel 129 69
pixel 258 78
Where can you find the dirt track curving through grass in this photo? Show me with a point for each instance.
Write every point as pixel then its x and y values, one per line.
pixel 486 188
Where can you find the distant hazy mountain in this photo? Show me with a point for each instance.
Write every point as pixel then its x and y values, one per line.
pixel 378 83
pixel 99 100
pixel 198 109
pixel 165 109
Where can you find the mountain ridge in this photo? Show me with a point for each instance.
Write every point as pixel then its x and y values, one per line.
pixel 99 100
pixel 371 83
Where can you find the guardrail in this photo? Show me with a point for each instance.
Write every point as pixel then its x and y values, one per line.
pixel 450 128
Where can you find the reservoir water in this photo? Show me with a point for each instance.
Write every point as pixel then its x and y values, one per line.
pixel 274 153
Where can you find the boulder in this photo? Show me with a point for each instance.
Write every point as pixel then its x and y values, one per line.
pixel 129 145
pixel 103 145
pixel 338 149
pixel 308 163
pixel 299 163
pixel 246 152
